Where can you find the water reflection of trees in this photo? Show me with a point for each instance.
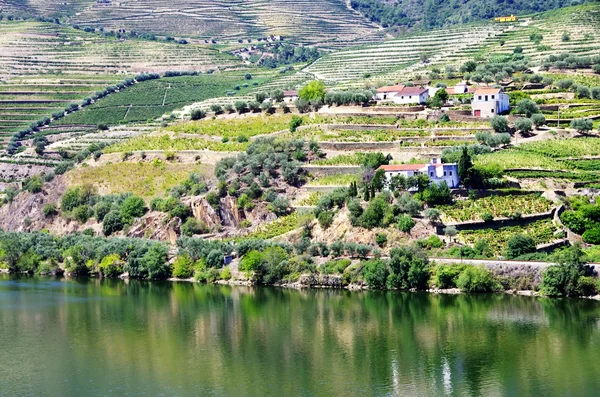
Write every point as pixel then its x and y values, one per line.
pixel 286 342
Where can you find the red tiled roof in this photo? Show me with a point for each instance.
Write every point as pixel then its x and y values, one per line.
pixel 390 88
pixel 402 167
pixel 290 93
pixel 410 91
pixel 487 91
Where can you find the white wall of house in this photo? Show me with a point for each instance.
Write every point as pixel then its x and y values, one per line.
pixel 444 173
pixel 409 99
pixel 490 105
pixel 385 96
pixel 290 99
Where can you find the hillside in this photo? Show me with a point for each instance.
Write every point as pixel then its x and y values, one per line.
pixel 437 13
pixel 325 23
pixel 398 59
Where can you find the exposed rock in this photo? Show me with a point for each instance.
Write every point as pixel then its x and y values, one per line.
pixel 202 211
pixel 156 226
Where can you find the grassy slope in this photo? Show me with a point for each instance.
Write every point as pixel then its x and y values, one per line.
pixel 144 179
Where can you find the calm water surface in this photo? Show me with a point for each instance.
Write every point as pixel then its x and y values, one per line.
pixel 114 338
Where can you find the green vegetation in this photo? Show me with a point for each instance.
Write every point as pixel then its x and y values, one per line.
pixel 583 218
pixel 143 179
pixel 166 143
pixel 248 126
pixel 541 231
pixel 495 205
pixel 154 98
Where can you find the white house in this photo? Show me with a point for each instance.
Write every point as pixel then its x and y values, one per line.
pixel 290 96
pixel 388 92
pixel 489 102
pixel 410 95
pixel 435 170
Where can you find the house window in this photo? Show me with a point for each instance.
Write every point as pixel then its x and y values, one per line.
pixel 480 97
pixel 431 174
pixel 445 174
pixel 492 110
pixel 450 173
pixel 492 96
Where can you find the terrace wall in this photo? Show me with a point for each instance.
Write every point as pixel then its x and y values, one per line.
pixel 496 223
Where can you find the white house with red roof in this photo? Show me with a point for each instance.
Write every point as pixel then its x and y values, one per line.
pixel 489 102
pixel 412 95
pixel 388 92
pixel 435 170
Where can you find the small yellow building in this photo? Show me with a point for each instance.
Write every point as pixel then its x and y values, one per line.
pixel 510 18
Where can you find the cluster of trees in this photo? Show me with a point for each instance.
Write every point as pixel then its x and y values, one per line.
pixel 250 175
pixel 286 54
pixel 113 211
pixel 382 13
pixel 356 97
pixel 583 218
pixel 437 13
pixel 570 61
pixel 498 68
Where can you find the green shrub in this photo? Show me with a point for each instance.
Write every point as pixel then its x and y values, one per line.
pixel 112 223
pixel 446 276
pixel 183 267
pixel 487 217
pixel 375 273
pixel 193 226
pixel 592 236
pixel 82 213
pixel 49 210
pixel 381 239
pixel 131 208
pixel 477 279
pixel 405 223
pixel 111 266
pixel 519 245
pixel 325 219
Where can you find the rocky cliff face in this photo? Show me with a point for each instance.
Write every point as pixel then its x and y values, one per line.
pixel 25 212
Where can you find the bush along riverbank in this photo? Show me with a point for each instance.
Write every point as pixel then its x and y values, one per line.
pixel 262 262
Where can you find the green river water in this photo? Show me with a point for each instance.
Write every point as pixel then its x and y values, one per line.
pixel 113 338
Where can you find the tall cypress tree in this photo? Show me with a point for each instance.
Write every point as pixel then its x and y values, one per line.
pixel 366 193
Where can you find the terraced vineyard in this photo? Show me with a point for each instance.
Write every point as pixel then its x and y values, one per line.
pixel 496 206
pixel 397 60
pixel 328 21
pixel 151 99
pixel 37 48
pixel 28 99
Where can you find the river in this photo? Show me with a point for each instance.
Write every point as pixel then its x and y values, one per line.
pixel 62 337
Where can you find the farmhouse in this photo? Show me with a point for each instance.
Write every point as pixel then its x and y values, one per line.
pixel 388 92
pixel 435 170
pixel 489 102
pixel 290 96
pixel 410 95
pixel 402 95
